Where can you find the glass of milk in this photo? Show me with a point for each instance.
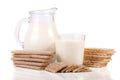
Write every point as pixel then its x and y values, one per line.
pixel 70 48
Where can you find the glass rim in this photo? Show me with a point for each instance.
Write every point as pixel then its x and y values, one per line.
pixel 71 36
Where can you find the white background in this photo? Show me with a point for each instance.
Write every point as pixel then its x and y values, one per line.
pixel 99 20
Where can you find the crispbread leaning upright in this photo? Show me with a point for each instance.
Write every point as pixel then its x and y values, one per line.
pixel 97 57
pixel 66 67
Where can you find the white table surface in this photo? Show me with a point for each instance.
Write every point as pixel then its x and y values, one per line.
pixel 27 74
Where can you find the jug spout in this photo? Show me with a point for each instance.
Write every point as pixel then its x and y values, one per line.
pixel 53 10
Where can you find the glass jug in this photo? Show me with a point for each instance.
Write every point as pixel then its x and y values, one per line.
pixel 41 32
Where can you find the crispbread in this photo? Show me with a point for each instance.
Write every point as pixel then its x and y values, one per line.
pixel 88 61
pixel 73 67
pixel 95 64
pixel 68 68
pixel 78 69
pixel 15 52
pixel 32 56
pixel 56 66
pixel 30 67
pixel 82 68
pixel 98 54
pixel 65 67
pixel 30 63
pixel 97 58
pixel 99 50
pixel 98 61
pixel 31 59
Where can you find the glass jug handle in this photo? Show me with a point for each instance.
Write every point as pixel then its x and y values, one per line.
pixel 17 31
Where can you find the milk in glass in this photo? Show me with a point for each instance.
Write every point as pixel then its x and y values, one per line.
pixel 71 49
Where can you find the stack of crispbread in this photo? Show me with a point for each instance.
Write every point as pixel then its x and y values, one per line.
pixel 97 57
pixel 32 59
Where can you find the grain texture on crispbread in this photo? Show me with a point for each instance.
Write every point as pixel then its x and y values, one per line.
pixel 65 68
pixel 55 67
pixel 69 68
pixel 97 57
pixel 99 49
pixel 30 67
pixel 87 58
pixel 36 56
pixel 15 52
pixel 82 69
pixel 32 60
pixel 98 54
pixel 31 63
pixel 73 67
pixel 95 64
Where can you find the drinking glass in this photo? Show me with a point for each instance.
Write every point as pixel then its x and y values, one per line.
pixel 70 48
